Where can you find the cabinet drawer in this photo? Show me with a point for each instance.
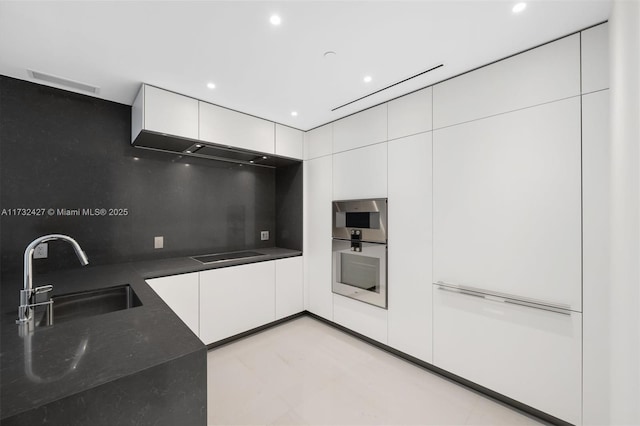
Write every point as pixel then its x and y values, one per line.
pixel 531 355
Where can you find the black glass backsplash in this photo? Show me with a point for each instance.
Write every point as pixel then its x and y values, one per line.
pixel 67 157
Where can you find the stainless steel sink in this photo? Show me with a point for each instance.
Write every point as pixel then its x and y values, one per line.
pixel 221 257
pixel 85 304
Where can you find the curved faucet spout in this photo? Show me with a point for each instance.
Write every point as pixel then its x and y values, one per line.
pixel 25 310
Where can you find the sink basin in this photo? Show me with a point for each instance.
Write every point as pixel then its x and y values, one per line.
pixel 220 257
pixel 85 304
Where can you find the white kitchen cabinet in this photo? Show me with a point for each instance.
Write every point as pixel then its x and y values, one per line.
pixel 236 299
pixel 410 114
pixel 528 354
pixel 368 320
pixel 181 293
pixel 227 127
pixel 596 177
pixel 544 74
pixel 595 58
pixel 317 236
pixel 289 287
pixel 161 111
pixel 289 141
pixel 410 246
pixel 363 128
pixel 318 142
pixel 507 204
pixel 360 173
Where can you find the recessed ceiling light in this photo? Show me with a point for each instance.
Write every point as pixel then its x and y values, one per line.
pixel 275 20
pixel 367 79
pixel 294 113
pixel 519 7
pixel 211 85
pixel 329 54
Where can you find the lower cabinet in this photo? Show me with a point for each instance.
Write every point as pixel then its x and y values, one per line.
pixel 531 355
pixel 236 299
pixel 368 320
pixel 180 292
pixel 289 287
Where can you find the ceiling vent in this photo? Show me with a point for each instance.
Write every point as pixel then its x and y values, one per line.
pixel 388 87
pixel 71 84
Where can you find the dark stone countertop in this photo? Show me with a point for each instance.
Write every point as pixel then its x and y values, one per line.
pixel 74 356
pixel 184 265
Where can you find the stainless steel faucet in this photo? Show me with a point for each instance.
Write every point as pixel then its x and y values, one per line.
pixel 28 294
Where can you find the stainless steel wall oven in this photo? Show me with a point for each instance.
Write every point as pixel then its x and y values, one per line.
pixel 360 250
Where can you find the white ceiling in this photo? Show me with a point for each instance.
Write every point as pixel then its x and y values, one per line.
pixel 269 71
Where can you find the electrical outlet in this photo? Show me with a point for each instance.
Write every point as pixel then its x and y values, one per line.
pixel 264 235
pixel 41 251
pixel 158 242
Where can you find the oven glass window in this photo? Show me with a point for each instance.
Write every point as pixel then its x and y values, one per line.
pixel 360 271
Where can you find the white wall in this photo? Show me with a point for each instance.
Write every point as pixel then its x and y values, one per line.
pixel 625 214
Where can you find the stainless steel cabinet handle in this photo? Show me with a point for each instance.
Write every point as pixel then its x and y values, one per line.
pixel 502 299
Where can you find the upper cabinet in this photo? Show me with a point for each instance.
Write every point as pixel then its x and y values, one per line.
pixel 410 114
pixel 360 173
pixel 223 126
pixel 289 142
pixel 547 73
pixel 318 142
pixel 364 128
pixel 595 58
pixel 161 111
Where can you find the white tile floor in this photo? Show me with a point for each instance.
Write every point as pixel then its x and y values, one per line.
pixel 305 372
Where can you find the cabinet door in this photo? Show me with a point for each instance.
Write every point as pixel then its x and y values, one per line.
pixel 289 287
pixel 410 114
pixel 317 238
pixel 318 142
pixel 410 245
pixel 360 173
pixel 170 113
pixel 227 127
pixel 595 58
pixel 289 141
pixel 528 354
pixel 180 292
pixel 544 74
pixel 360 317
pixel 507 207
pixel 363 128
pixel 236 299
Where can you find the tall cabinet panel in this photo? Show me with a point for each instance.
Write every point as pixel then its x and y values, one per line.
pixel 507 207
pixel 410 246
pixel 317 239
pixel 596 171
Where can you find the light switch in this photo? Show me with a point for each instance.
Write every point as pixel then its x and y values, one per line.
pixel 264 235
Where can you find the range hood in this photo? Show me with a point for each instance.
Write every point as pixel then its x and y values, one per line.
pixel 176 145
